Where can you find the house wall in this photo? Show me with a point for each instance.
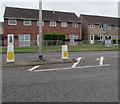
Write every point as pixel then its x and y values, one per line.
pixel 1 27
pixel 87 31
pixel 84 29
pixel 33 30
pixel 98 31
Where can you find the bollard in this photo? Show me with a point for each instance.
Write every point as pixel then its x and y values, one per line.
pixel 64 52
pixel 10 49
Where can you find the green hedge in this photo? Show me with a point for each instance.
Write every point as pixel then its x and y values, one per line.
pixel 54 36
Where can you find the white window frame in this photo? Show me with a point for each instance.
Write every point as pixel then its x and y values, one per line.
pixel 24 39
pixel 53 22
pixel 72 37
pixel 38 23
pixel 116 27
pixel 64 24
pixel 9 20
pixel 27 24
pixel 109 27
pixel 92 26
pixel 74 24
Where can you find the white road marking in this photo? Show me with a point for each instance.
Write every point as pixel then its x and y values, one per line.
pixel 98 59
pixel 35 67
pixel 78 60
pixel 71 68
pixel 101 60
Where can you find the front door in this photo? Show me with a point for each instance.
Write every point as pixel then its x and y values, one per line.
pixel 92 39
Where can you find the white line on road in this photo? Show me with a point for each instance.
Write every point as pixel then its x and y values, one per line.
pixel 35 67
pixel 101 60
pixel 71 68
pixel 75 64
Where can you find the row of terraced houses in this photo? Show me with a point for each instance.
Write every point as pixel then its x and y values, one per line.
pixel 24 25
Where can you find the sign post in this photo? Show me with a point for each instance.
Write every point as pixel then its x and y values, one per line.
pixel 10 49
pixel 40 30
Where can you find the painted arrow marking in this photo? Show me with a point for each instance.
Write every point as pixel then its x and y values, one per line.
pixel 101 60
pixel 35 67
pixel 78 60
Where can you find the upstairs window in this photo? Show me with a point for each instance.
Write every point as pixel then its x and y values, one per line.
pixel 12 22
pixel 92 26
pixel 74 24
pixel 27 22
pixel 63 24
pixel 53 24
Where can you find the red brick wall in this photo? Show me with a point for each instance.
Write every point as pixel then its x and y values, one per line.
pixel 33 29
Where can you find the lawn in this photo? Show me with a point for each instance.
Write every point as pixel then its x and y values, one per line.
pixel 58 48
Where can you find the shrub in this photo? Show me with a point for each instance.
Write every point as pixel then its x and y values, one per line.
pixel 54 36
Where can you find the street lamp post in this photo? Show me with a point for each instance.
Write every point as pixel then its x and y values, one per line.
pixel 40 30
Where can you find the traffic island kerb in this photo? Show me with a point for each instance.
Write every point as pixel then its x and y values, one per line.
pixel 33 62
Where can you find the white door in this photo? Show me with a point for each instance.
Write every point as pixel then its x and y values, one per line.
pixel 92 39
pixel 72 37
pixel 10 39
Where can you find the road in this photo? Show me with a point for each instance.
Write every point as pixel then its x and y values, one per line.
pixel 83 84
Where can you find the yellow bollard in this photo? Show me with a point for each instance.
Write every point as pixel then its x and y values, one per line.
pixel 10 49
pixel 64 52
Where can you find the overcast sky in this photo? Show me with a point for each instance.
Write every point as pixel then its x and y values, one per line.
pixel 91 7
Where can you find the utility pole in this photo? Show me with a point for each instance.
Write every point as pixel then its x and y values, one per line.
pixel 40 29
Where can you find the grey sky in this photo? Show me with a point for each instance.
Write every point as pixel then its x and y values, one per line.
pixel 92 7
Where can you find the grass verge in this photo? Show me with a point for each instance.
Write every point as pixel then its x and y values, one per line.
pixel 58 48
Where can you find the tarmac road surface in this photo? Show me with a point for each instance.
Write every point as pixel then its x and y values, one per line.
pixel 88 84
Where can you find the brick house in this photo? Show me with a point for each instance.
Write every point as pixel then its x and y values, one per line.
pixel 24 25
pixel 1 32
pixel 98 28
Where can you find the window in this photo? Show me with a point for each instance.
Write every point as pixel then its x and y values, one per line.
pixel 24 40
pixel 12 22
pixel 38 23
pixel 108 37
pixel 116 27
pixel 109 27
pixel 92 26
pixel 101 26
pixel 63 24
pixel 98 37
pixel 72 37
pixel 74 24
pixel 52 23
pixel 27 22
